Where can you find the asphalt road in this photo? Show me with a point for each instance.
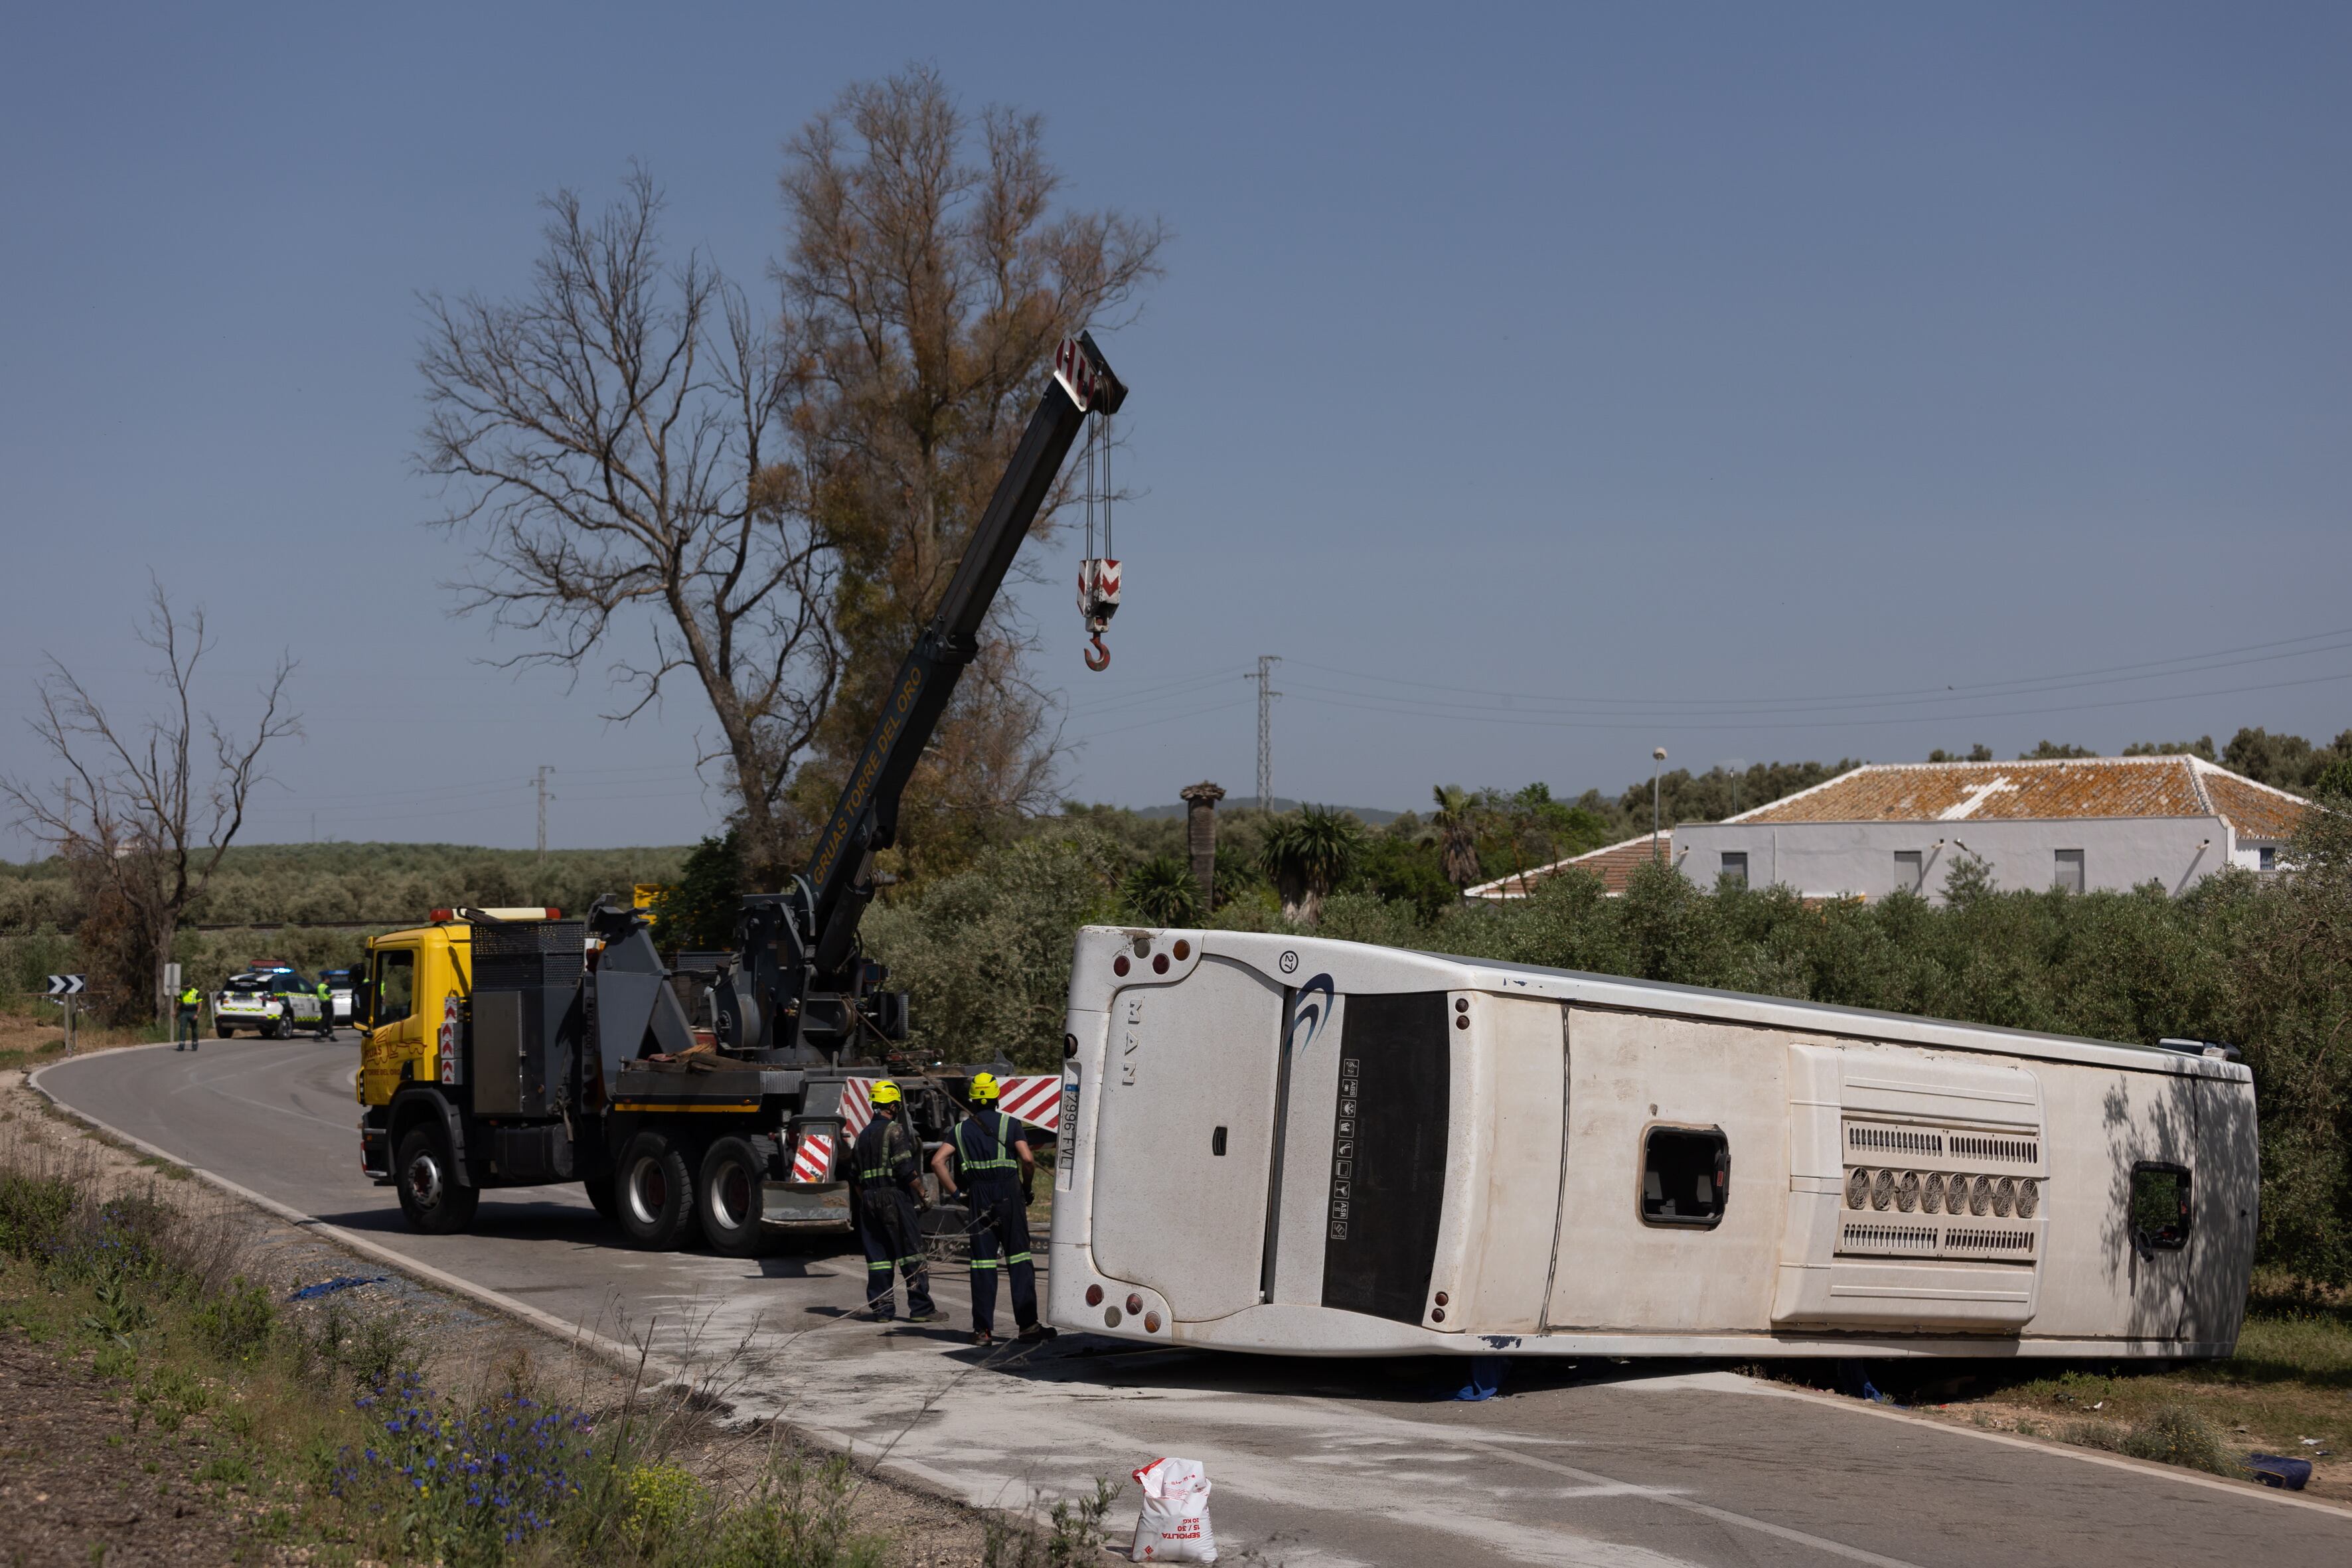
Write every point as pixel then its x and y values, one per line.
pixel 1314 1462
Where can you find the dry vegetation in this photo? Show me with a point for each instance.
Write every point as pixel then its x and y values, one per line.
pixel 165 1398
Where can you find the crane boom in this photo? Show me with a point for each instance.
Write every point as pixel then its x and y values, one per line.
pixel 798 947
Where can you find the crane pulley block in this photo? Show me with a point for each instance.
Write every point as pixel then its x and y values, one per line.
pixel 1098 580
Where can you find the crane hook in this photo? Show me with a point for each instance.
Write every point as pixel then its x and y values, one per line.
pixel 1097 656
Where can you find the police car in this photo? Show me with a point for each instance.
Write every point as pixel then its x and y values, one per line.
pixel 272 1000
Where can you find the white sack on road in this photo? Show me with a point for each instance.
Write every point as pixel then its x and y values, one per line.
pixel 1174 1524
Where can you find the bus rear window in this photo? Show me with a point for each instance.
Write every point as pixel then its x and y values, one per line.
pixel 1686 1176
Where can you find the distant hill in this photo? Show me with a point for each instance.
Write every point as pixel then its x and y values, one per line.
pixel 1372 817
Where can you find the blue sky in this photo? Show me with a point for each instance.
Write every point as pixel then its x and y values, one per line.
pixel 1542 385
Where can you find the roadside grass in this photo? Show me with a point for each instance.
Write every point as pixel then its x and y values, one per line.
pixel 314 1436
pixel 2288 1391
pixel 35 1040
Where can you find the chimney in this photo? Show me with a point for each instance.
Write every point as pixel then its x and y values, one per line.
pixel 1201 837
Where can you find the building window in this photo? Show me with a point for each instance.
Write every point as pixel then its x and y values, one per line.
pixel 1910 871
pixel 1735 867
pixel 2159 1207
pixel 2269 858
pixel 1686 1176
pixel 2069 871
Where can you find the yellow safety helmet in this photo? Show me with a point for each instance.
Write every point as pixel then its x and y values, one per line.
pixel 886 1093
pixel 983 1086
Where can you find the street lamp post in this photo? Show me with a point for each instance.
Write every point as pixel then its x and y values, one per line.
pixel 1657 760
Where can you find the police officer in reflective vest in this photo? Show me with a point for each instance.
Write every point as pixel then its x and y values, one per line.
pixel 326 1011
pixel 185 1038
pixel 997 1166
pixel 885 1164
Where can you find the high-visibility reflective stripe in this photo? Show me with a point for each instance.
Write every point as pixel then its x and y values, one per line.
pixel 1017 1258
pixel 874 1175
pixel 1002 1159
pixel 904 1261
pixel 883 1266
pixel 983 1263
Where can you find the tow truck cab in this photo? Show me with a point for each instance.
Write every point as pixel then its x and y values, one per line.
pixel 412 985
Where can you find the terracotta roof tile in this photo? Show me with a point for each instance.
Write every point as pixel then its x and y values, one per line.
pixel 2036 791
pixel 2256 811
pixel 1614 864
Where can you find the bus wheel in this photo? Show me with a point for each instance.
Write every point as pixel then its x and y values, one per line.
pixel 730 1193
pixel 654 1192
pixel 430 1194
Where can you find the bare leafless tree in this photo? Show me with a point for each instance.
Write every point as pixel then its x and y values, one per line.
pixel 147 809
pixel 617 443
pixel 931 272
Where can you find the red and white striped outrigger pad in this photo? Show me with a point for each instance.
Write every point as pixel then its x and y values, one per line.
pixel 1037 1101
pixel 856 1105
pixel 813 1161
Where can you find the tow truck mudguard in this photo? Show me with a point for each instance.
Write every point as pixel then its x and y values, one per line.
pixel 411 1106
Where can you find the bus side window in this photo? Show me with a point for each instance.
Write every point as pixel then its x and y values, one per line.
pixel 1686 1176
pixel 394 987
pixel 2159 1207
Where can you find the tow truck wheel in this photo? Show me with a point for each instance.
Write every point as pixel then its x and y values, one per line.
pixel 730 1193
pixel 654 1189
pixel 600 1194
pixel 429 1193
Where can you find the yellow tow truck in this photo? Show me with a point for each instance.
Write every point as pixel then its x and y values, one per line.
pixel 515 1047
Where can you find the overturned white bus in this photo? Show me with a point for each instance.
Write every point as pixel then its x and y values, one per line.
pixel 1308 1147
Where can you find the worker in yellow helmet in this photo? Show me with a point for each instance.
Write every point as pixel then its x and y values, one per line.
pixel 885 1166
pixel 992 1151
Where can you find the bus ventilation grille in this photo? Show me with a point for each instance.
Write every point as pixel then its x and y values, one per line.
pixel 1866 1137
pixel 1866 1239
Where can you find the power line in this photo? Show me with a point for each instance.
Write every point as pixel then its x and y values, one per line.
pixel 1377 704
pixel 2022 686
pixel 1164 719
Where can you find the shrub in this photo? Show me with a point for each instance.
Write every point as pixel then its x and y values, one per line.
pixel 235 1325
pixel 2171 1434
pixel 33 1213
pixel 465 1484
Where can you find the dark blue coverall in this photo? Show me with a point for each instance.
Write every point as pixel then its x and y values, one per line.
pixel 884 1163
pixel 1000 1216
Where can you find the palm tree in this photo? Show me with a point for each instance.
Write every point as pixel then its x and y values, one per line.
pixel 1162 891
pixel 1458 835
pixel 1308 854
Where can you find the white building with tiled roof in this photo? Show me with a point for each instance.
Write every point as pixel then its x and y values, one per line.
pixel 2083 822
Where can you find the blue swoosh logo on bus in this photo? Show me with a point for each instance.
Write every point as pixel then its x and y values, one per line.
pixel 1312 1008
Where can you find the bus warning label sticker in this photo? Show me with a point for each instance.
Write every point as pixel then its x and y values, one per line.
pixel 1343 1149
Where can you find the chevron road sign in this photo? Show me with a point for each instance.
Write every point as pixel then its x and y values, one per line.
pixel 67 984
